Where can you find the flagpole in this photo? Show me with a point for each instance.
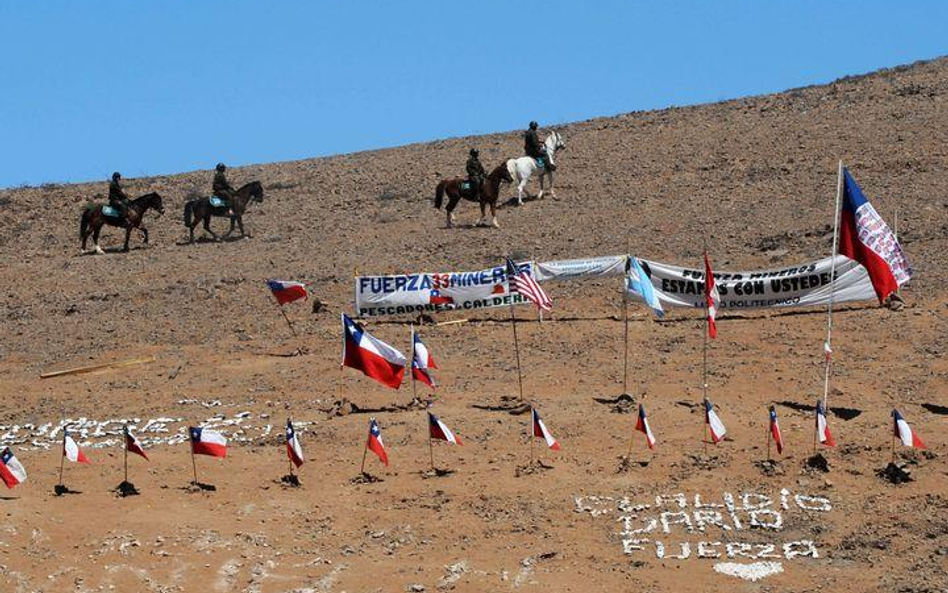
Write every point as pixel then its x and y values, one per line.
pixel 365 449
pixel 126 452
pixel 513 324
pixel 828 347
pixel 532 416
pixel 193 462
pixel 704 355
pixel 62 459
pixel 289 458
pixel 769 423
pixel 625 319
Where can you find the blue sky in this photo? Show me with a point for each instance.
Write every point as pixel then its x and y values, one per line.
pixel 154 87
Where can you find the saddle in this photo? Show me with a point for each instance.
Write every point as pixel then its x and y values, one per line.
pixel 110 212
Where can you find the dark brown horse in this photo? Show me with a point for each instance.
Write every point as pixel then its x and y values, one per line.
pixel 201 210
pixel 489 192
pixel 93 219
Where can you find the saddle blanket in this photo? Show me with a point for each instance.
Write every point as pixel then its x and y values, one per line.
pixel 217 202
pixel 465 186
pixel 110 212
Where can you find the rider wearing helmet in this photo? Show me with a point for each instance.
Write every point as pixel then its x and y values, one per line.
pixel 118 199
pixel 221 187
pixel 534 148
pixel 475 172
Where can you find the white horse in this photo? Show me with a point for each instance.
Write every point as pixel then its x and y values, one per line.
pixel 521 169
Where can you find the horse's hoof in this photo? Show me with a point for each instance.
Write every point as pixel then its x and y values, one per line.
pixel 494 224
pixel 99 251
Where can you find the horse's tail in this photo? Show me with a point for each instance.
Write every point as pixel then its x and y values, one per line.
pixel 512 169
pixel 84 222
pixel 188 213
pixel 439 193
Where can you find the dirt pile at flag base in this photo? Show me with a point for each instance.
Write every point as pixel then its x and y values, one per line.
pixel 755 177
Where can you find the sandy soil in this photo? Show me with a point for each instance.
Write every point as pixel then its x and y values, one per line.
pixel 755 177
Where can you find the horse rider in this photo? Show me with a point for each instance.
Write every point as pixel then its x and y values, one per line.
pixel 535 149
pixel 221 187
pixel 118 199
pixel 475 172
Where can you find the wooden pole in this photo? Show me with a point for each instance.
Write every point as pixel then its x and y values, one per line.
pixel 768 435
pixel 125 447
pixel 704 361
pixel 62 459
pixel 625 339
pixel 530 432
pixel 513 324
pixel 193 462
pixel 95 367
pixel 365 450
pixel 828 347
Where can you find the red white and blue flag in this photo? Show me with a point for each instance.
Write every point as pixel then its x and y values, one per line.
pixel 711 296
pixel 71 450
pixel 375 358
pixel 775 429
pixel 205 441
pixel 641 425
pixel 904 432
pixel 867 239
pixel 293 449
pixel 823 433
pixel 133 445
pixel 524 284
pixel 438 430
pixel 12 471
pixel 421 361
pixel 374 442
pixel 540 430
pixel 285 291
pixel 714 423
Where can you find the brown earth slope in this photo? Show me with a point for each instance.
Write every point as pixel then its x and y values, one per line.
pixel 755 177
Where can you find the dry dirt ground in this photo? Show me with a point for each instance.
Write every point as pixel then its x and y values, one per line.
pixel 755 177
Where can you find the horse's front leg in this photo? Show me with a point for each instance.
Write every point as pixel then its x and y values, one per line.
pixel 144 231
pixel 482 220
pixel 128 235
pixel 493 214
pixel 240 223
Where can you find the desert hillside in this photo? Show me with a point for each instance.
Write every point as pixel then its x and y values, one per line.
pixel 753 178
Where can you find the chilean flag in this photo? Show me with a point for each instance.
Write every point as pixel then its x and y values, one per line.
pixel 642 426
pixel 867 239
pixel 539 430
pixel 905 432
pixel 822 427
pixel 71 450
pixel 373 357
pixel 714 423
pixel 132 444
pixel 208 442
pixel 11 470
pixel 287 292
pixel 438 430
pixel 293 449
pixel 775 429
pixel 421 361
pixel 711 297
pixel 374 442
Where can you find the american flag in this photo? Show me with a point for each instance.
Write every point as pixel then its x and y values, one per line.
pixel 524 284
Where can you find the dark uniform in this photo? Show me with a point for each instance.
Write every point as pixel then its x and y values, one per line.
pixel 475 172
pixel 534 148
pixel 221 187
pixel 118 199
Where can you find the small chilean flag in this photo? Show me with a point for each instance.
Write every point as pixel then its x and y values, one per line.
pixel 207 442
pixel 286 292
pixel 711 297
pixel 822 427
pixel 132 444
pixel 11 470
pixel 539 430
pixel 71 450
pixel 438 430
pixel 642 426
pixel 374 442
pixel 375 358
pixel 905 432
pixel 775 429
pixel 293 449
pixel 714 423
pixel 421 361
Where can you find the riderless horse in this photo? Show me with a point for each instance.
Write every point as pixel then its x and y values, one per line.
pixel 202 209
pixel 457 188
pixel 96 215
pixel 522 168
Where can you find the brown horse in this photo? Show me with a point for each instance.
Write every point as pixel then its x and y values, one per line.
pixel 93 219
pixel 201 210
pixel 489 192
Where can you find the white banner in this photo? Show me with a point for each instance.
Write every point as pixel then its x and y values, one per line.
pixel 402 294
pixel 581 269
pixel 795 286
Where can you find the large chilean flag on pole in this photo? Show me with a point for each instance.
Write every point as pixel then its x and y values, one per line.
pixel 11 470
pixel 375 358
pixel 205 441
pixel 285 291
pixel 867 239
